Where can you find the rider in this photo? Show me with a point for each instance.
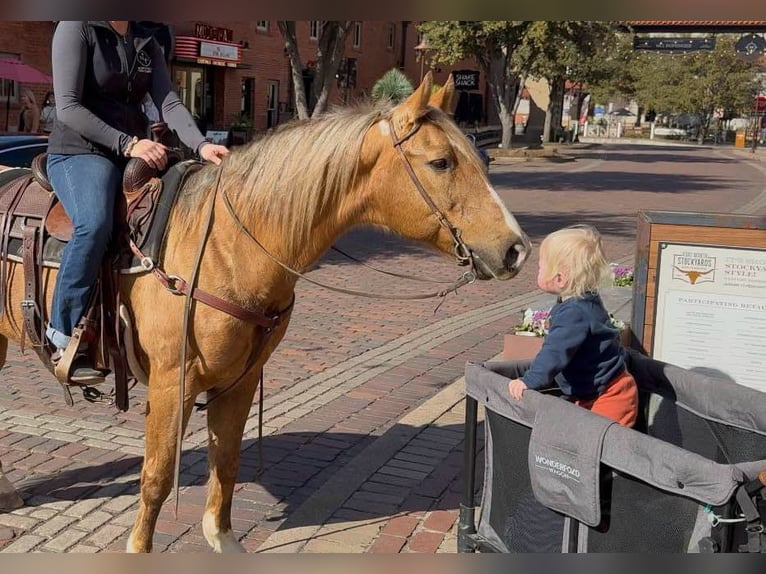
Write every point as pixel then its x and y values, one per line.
pixel 101 73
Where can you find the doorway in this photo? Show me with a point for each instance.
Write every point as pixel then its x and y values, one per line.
pixel 272 103
pixel 194 87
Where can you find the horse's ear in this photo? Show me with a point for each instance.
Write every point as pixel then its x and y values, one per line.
pixel 445 99
pixel 413 108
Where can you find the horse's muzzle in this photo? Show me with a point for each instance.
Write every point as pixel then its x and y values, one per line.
pixel 517 254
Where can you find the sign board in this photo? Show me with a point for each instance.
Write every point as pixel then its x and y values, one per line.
pixel 700 292
pixel 216 51
pixel 466 79
pixel 673 44
pixel 750 47
pixel 207 32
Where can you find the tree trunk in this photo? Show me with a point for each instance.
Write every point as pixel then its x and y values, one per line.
pixel 287 29
pixel 555 109
pixel 332 44
pixel 503 86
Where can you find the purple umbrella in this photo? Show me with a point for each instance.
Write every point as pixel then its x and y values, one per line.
pixel 18 71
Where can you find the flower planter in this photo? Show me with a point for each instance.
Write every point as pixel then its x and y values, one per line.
pixel 522 345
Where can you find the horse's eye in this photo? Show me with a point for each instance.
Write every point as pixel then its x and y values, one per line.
pixel 440 164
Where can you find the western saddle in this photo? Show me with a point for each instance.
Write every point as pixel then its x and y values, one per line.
pixel 31 219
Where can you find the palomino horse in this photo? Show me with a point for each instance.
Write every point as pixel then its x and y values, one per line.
pixel 287 198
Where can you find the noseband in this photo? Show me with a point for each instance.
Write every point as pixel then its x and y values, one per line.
pixel 462 253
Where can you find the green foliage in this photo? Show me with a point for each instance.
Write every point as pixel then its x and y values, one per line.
pixel 510 51
pixel 694 82
pixel 393 86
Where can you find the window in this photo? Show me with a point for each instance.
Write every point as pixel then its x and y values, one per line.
pixel 391 36
pixel 8 88
pixel 357 34
pixel 262 25
pixel 315 27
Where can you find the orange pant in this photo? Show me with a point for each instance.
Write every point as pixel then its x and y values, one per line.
pixel 619 401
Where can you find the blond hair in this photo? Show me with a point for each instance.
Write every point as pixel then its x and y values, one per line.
pixel 578 253
pixel 29 94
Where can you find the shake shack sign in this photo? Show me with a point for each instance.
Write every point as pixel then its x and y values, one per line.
pixel 466 79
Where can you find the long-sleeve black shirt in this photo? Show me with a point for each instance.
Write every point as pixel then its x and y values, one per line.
pixel 100 79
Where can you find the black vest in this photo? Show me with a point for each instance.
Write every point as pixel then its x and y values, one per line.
pixel 117 77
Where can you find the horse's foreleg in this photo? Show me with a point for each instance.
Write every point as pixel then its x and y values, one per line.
pixel 9 498
pixel 159 460
pixel 226 418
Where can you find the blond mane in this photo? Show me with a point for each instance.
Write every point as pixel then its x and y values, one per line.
pixel 295 173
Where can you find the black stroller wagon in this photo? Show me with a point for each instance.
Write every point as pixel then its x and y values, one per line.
pixel 558 478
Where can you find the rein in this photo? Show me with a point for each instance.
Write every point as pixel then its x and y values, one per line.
pixel 462 253
pixel 465 279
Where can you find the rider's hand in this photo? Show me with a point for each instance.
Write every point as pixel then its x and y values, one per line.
pixel 153 153
pixel 213 152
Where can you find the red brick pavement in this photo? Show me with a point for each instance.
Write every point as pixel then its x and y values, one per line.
pixel 78 475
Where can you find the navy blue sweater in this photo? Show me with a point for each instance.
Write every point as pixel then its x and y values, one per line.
pixel 581 352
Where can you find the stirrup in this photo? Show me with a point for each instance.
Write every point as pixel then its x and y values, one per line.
pixel 72 366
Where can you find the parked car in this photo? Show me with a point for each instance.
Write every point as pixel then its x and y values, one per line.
pixel 481 151
pixel 19 150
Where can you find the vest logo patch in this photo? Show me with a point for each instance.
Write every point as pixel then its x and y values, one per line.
pixel 144 62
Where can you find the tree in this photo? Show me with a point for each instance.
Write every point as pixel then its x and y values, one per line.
pixel 700 83
pixel 508 52
pixel 330 48
pixel 493 45
pixel 704 84
pixel 566 50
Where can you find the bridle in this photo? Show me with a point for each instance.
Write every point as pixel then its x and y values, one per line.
pixel 463 254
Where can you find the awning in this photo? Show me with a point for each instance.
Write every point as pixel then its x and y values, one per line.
pixel 208 51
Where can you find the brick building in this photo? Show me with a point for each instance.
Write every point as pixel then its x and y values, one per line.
pixel 223 70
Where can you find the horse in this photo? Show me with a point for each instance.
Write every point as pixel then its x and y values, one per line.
pixel 277 203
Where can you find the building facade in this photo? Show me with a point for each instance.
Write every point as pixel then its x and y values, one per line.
pixel 238 73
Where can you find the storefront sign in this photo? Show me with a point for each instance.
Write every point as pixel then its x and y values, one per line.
pixel 207 32
pixel 466 79
pixel 214 50
pixel 209 53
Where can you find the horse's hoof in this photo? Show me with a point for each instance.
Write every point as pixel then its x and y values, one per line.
pixel 6 534
pixel 10 501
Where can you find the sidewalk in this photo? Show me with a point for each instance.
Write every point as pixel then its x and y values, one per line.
pixel 363 421
pixel 402 493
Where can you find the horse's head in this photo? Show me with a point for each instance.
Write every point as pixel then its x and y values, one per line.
pixel 427 182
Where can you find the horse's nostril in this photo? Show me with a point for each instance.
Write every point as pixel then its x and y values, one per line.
pixel 515 256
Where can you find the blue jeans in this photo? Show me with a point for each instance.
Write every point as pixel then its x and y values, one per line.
pixel 86 186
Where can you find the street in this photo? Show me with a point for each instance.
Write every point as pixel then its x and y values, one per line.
pixel 348 379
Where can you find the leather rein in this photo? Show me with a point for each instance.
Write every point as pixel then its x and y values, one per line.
pixel 463 254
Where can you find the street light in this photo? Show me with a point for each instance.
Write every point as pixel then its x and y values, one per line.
pixel 421 50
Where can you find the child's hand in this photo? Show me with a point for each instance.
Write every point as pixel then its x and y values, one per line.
pixel 516 387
